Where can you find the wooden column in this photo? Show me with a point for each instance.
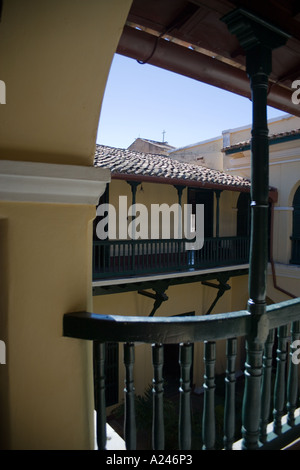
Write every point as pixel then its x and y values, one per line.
pixel 258 39
pixel 218 194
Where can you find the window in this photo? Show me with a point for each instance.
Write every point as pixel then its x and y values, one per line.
pixel 243 215
pixel 206 197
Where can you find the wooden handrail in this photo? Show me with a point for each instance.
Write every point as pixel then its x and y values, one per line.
pixel 184 331
pixel 97 327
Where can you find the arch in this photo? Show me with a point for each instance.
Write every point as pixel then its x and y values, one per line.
pixel 292 194
pixel 295 259
pixel 296 200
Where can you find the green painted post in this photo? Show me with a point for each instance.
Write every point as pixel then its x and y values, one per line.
pixel 258 39
pixel 179 190
pixel 129 419
pixel 99 387
pixel 158 431
pixel 218 194
pixel 185 426
pixel 133 185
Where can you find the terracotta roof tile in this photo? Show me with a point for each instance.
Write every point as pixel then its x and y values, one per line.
pixel 128 162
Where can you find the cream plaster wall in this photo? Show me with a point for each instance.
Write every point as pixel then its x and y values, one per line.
pixel 207 153
pixel 275 125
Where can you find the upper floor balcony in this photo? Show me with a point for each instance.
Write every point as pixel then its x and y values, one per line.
pixel 119 258
pixel 156 180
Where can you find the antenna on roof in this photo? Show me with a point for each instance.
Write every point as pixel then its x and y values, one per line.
pixel 163 133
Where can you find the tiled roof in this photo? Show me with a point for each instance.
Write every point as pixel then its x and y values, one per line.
pixel 144 165
pixel 273 138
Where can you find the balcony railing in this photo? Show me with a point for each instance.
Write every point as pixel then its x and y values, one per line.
pixel 295 259
pixel 113 258
pixel 263 406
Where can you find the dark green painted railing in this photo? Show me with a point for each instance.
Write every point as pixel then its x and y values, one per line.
pixel 112 258
pixel 282 319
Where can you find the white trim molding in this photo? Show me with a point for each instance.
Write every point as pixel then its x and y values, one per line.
pixel 155 277
pixel 285 270
pixel 278 208
pixel 51 183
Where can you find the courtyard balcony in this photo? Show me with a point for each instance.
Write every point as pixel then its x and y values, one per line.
pixel 120 258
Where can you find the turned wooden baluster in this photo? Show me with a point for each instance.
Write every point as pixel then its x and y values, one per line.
pixel 280 381
pixel 99 387
pixel 209 426
pixel 185 425
pixel 266 391
pixel 229 409
pixel 129 420
pixel 158 432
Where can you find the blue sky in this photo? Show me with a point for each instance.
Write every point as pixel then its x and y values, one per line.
pixel 143 101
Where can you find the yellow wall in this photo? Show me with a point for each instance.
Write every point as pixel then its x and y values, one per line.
pixel 55 58
pixel 44 379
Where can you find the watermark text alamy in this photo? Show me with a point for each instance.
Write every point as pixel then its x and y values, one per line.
pixel 136 223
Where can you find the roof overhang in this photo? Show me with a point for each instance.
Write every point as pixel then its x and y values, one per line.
pixel 190 38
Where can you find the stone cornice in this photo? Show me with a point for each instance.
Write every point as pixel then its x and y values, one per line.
pixel 51 183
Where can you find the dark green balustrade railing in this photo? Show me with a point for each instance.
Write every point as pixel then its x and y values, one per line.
pixel 282 319
pixel 135 257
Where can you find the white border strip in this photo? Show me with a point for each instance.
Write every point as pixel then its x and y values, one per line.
pixel 291 271
pixel 278 208
pixel 192 272
pixel 51 183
